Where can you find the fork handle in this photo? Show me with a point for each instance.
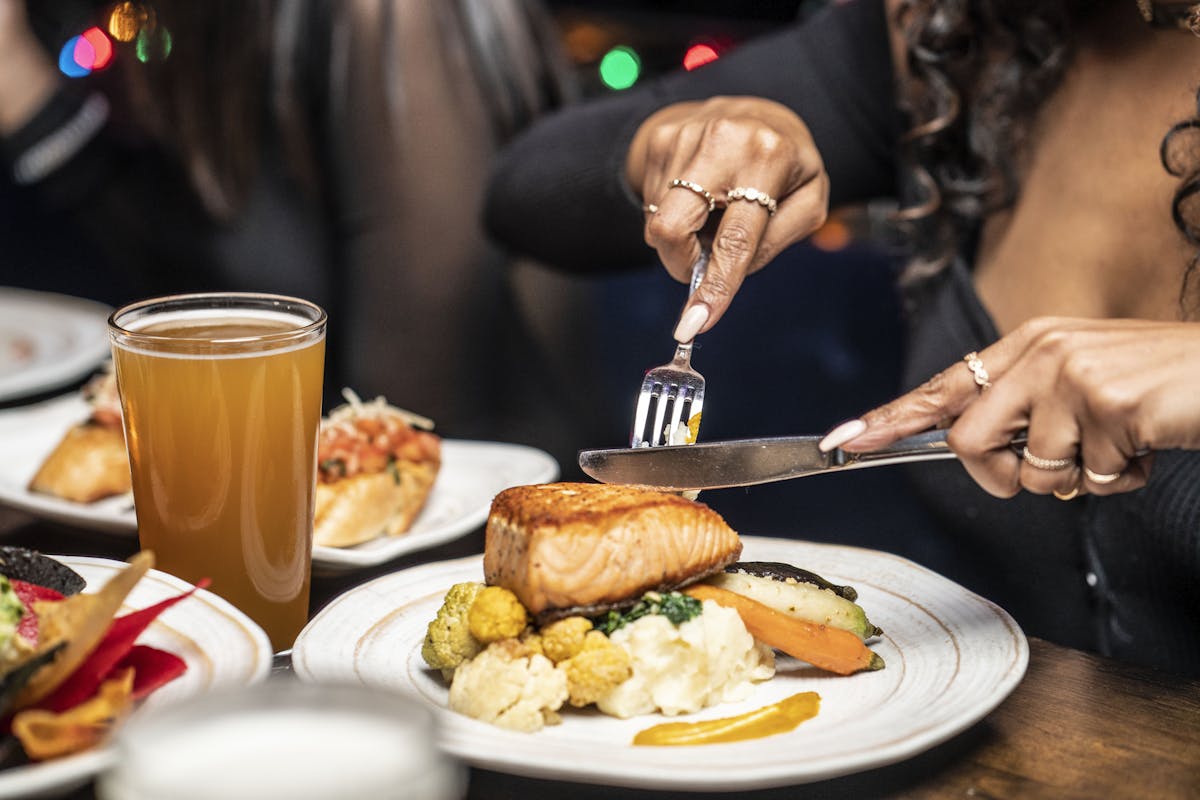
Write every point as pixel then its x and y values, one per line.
pixel 698 270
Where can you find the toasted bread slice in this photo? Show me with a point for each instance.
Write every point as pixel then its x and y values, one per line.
pixel 567 548
pixel 364 506
pixel 89 464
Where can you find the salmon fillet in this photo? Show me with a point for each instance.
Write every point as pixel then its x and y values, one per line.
pixel 581 548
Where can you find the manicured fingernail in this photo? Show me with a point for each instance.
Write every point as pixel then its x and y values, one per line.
pixel 691 322
pixel 842 434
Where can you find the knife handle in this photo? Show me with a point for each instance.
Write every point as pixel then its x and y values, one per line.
pixel 925 446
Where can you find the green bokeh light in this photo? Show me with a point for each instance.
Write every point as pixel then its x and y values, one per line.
pixel 620 68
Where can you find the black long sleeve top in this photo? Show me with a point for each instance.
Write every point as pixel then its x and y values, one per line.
pixel 558 193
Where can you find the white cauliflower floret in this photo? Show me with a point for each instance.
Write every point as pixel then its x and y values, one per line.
pixel 511 686
pixel 707 660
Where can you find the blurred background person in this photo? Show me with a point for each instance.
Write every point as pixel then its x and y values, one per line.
pixel 316 149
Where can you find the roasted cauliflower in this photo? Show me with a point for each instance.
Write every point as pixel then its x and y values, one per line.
pixel 564 638
pixel 448 640
pixel 511 686
pixel 597 668
pixel 496 614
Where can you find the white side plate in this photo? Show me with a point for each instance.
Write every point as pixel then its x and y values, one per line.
pixel 48 340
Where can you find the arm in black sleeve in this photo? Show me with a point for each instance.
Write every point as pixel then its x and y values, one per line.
pixel 559 194
pixel 125 194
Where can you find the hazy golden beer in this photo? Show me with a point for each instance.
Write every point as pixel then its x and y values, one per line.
pixel 221 396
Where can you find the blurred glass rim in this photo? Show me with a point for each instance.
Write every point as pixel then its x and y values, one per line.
pixel 143 739
pixel 205 305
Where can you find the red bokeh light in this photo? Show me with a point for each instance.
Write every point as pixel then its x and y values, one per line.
pixel 698 55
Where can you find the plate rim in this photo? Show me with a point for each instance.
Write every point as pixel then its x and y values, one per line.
pixel 85 357
pixel 1007 677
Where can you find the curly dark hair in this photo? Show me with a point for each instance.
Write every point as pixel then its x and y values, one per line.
pixel 979 69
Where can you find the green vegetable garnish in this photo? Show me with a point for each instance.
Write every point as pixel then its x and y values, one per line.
pixel 676 607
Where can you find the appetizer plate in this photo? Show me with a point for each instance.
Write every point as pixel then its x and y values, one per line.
pixel 472 474
pixel 221 645
pixel 951 656
pixel 48 340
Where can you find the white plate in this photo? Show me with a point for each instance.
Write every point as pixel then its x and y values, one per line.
pixel 472 474
pixel 221 645
pixel 951 658
pixel 48 340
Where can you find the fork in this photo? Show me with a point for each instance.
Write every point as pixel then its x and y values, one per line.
pixel 672 393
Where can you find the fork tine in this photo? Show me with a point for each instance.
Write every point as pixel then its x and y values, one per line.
pixel 660 414
pixel 680 399
pixel 638 439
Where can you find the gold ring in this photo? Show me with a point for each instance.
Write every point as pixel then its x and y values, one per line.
pixel 753 195
pixel 680 183
pixel 975 364
pixel 1100 477
pixel 1071 495
pixel 1053 464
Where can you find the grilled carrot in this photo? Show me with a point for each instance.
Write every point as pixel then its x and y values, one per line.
pixel 828 648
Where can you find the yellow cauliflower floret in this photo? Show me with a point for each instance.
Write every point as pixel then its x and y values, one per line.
pixel 533 642
pixel 598 668
pixel 496 614
pixel 448 640
pixel 564 638
pixel 510 686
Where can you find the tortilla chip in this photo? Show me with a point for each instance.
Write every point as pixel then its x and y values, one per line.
pixel 45 734
pixel 81 622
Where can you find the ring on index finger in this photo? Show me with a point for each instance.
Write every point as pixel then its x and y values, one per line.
pixel 975 364
pixel 692 186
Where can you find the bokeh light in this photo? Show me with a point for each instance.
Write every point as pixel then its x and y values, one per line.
pixel 127 19
pixel 152 44
pixel 620 68
pixel 67 62
pixel 101 46
pixel 698 55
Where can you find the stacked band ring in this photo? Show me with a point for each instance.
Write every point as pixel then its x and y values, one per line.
pixel 680 183
pixel 1071 495
pixel 1100 477
pixel 753 195
pixel 1053 464
pixel 975 364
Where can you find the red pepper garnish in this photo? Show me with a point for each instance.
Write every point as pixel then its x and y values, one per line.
pixel 117 643
pixel 28 593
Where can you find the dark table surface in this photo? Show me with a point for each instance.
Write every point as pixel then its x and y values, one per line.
pixel 1078 725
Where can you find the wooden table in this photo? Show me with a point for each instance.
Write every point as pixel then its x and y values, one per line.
pixel 1078 725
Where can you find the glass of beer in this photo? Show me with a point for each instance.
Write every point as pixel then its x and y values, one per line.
pixel 221 395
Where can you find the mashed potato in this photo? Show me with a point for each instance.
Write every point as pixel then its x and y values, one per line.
pixel 707 660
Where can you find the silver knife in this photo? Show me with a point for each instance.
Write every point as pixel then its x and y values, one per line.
pixel 746 462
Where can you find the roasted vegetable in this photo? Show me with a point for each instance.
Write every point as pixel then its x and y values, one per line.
pixel 802 600
pixel 597 668
pixel 448 640
pixel 510 686
pixel 822 646
pixel 496 614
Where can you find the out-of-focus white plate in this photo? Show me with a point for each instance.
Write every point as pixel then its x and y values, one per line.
pixel 951 656
pixel 472 473
pixel 48 340
pixel 221 645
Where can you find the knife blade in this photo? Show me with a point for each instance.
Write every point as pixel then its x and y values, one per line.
pixel 746 462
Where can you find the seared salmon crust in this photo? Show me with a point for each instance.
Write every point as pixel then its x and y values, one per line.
pixel 583 548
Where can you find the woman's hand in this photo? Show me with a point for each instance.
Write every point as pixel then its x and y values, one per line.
pixel 1095 395
pixel 721 144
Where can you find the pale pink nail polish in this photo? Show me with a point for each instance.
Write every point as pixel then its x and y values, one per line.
pixel 842 434
pixel 691 322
